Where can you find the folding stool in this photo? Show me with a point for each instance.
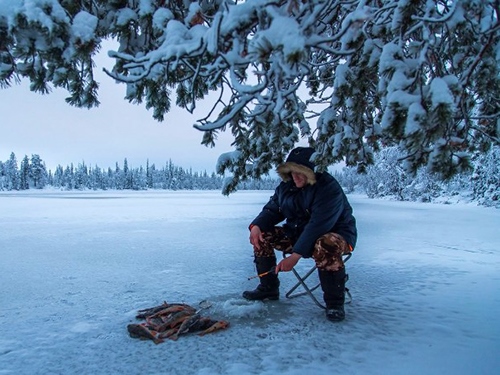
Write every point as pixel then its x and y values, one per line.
pixel 309 291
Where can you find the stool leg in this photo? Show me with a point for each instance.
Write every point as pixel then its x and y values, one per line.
pixel 308 290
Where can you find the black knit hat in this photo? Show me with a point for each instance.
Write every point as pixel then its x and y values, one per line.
pixel 298 161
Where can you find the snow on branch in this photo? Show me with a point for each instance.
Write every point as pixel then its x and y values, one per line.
pixel 420 74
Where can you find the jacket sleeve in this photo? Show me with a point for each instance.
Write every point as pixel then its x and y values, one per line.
pixel 270 215
pixel 326 208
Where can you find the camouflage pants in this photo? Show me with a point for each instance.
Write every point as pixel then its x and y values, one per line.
pixel 327 254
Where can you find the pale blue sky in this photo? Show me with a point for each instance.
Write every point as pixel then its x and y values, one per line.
pixel 45 125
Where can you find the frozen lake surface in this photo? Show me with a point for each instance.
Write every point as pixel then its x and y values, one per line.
pixel 76 266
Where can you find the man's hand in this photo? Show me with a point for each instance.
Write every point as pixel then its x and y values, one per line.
pixel 288 263
pixel 256 237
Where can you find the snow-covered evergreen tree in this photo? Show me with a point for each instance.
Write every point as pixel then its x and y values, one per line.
pixel 2 176
pixel 386 177
pixel 11 172
pixel 58 180
pixel 149 174
pixel 423 74
pixel 348 178
pixel 486 178
pixel 38 172
pixel 68 177
pixel 127 176
pixel 24 174
pixel 139 179
pixel 109 179
pixel 118 178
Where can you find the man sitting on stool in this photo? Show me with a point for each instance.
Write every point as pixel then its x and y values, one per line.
pixel 319 224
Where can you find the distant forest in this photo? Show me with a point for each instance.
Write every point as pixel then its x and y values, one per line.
pixel 386 178
pixel 31 173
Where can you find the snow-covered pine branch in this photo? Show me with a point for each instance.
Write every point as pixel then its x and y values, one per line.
pixel 420 74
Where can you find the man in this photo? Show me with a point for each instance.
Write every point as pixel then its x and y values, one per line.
pixel 318 224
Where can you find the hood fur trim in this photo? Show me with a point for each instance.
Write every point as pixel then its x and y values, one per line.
pixel 285 171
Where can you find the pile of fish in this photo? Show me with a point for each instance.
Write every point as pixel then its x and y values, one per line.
pixel 170 320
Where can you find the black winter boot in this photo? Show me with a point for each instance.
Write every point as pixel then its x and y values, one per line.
pixel 333 285
pixel 269 284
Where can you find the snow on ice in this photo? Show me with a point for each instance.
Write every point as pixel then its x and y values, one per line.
pixel 76 266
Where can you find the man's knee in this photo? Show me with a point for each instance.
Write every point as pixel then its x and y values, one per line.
pixel 328 251
pixel 333 243
pixel 277 239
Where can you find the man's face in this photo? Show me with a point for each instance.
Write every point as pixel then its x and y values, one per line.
pixel 299 179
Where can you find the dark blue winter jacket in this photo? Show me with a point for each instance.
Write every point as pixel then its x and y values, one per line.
pixel 309 213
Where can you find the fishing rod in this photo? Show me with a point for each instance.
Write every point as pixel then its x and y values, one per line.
pixel 272 271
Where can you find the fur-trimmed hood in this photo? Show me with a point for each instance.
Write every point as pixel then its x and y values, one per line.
pixel 298 161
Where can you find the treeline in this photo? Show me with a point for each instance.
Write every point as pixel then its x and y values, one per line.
pixel 385 178
pixel 31 173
